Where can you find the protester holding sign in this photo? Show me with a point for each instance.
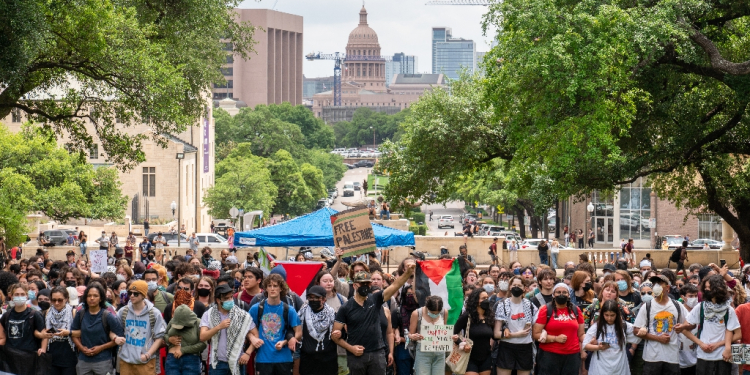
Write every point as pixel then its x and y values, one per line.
pixel 428 362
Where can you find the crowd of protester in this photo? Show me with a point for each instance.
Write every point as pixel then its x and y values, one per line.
pixel 196 315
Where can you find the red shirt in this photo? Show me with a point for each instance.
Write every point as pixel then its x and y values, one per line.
pixel 743 315
pixel 562 324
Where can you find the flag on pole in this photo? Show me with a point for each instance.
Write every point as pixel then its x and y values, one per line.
pixel 441 278
pixel 265 261
pixel 300 275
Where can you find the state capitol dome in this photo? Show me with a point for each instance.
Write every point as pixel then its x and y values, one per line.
pixel 363 34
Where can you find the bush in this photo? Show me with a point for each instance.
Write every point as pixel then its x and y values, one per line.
pixel 418 217
pixel 414 229
pixel 422 230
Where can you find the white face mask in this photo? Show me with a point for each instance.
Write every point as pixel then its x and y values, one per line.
pixel 120 277
pixel 691 302
pixel 489 288
pixel 502 285
pixel 658 289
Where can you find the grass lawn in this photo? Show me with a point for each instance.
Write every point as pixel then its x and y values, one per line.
pixel 382 181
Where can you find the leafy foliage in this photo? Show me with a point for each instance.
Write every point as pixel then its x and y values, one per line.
pixel 357 132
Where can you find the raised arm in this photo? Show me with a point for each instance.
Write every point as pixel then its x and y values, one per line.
pixel 393 288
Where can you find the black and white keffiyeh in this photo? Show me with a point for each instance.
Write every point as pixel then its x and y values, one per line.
pixel 60 320
pixel 318 323
pixel 239 326
pixel 711 310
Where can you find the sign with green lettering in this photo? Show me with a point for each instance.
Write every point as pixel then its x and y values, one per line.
pixel 352 231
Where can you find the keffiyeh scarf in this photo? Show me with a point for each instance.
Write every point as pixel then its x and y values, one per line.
pixel 60 320
pixel 318 323
pixel 240 324
pixel 711 309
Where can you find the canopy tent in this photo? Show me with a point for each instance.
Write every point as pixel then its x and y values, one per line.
pixel 314 229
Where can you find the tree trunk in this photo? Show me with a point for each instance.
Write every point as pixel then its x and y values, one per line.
pixel 521 224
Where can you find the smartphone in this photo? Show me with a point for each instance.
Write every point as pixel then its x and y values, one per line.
pixel 722 263
pixel 52 330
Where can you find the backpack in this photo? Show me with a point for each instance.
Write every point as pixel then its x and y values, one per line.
pixel 412 348
pixel 700 323
pixel 676 306
pixel 676 255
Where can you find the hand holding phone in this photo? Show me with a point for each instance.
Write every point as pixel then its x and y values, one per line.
pixel 722 263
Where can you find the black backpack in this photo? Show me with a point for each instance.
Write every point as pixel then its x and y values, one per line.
pixel 676 255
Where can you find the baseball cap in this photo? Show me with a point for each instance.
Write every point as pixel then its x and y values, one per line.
pixel 231 259
pixel 609 267
pixel 317 290
pixel 222 289
pixel 659 279
pixel 418 254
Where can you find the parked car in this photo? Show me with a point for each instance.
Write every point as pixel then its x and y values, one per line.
pixel 446 221
pixel 364 163
pixel 59 237
pixel 530 244
pixel 348 189
pixel 333 192
pixel 713 244
pixel 170 237
pixel 350 166
pixel 212 240
pixel 510 236
pixel 322 202
pixel 495 230
pixel 222 228
pixel 357 185
pixel 483 228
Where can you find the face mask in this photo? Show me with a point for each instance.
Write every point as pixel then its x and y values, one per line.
pixel 44 305
pixel 516 291
pixel 433 316
pixel 363 290
pixel 204 292
pixel 622 285
pixel 70 283
pixel 658 289
pixel 110 301
pixel 120 277
pixel 342 279
pixel 227 305
pixel 206 255
pixel 123 293
pixel 561 299
pixel 691 302
pixel 647 298
pixel 315 305
pixel 485 305
pixel 489 288
pixel 151 286
pixel 169 274
pixel 187 257
pixel 502 285
pixel 636 284
pixel 150 257
pixel 516 271
pixel 31 294
pixel 587 287
pixel 19 301
pixel 237 284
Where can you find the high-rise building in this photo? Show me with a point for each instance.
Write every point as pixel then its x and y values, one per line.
pixel 478 58
pixel 400 64
pixel 274 73
pixel 450 55
pixel 312 86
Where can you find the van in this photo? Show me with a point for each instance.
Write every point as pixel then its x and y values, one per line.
pixel 348 189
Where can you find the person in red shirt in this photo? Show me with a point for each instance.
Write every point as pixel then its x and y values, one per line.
pixel 743 315
pixel 559 337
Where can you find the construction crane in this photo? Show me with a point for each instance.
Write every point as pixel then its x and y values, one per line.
pixel 338 58
pixel 459 2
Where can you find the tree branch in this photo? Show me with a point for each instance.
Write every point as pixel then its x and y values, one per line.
pixel 717 61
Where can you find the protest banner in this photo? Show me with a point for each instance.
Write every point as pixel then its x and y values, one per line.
pixel 98 260
pixel 741 354
pixel 436 338
pixel 352 231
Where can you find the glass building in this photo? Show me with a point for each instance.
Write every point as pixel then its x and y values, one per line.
pixel 451 55
pixel 401 64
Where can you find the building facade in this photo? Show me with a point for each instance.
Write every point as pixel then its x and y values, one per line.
pixel 451 55
pixel 153 185
pixel 363 80
pixel 400 64
pixel 274 73
pixel 312 86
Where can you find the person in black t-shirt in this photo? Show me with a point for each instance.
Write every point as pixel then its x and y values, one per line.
pixel 481 331
pixel 23 328
pixel 318 352
pixel 361 315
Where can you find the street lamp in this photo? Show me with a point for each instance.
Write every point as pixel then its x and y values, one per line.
pixel 373 137
pixel 179 157
pixel 590 209
pixel 241 211
pixel 173 206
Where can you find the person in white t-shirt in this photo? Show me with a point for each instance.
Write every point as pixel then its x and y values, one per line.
pixel 688 355
pixel 717 325
pixel 656 321
pixel 607 338
pixel 514 318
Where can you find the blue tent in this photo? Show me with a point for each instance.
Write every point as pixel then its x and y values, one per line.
pixel 314 229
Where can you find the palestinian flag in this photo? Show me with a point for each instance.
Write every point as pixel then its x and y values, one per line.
pixel 300 275
pixel 442 278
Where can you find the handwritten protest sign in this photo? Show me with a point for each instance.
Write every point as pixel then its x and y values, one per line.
pixel 741 354
pixel 98 260
pixel 352 231
pixel 437 338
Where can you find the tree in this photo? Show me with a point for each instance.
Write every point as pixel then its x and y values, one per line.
pixel 38 175
pixel 244 181
pixel 317 134
pixel 89 69
pixel 313 180
pixel 359 131
pixel 265 133
pixel 331 165
pixel 293 197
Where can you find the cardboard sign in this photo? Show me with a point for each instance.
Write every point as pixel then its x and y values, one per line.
pixel 352 231
pixel 437 338
pixel 741 354
pixel 98 260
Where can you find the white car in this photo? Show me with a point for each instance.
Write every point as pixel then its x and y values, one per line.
pixel 446 221
pixel 530 244
pixel 212 240
pixel 348 189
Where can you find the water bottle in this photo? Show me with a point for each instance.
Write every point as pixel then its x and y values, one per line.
pixel 406 336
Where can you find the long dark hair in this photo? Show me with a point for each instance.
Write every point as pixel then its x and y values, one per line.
pixel 102 295
pixel 472 304
pixel 717 289
pixel 601 324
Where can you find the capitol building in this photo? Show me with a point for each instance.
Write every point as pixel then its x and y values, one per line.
pixel 363 80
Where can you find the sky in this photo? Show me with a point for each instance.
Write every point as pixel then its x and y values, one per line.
pixel 402 26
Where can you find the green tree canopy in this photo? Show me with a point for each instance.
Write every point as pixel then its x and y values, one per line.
pixel 294 197
pixel 357 132
pixel 317 134
pixel 93 67
pixel 331 165
pixel 259 127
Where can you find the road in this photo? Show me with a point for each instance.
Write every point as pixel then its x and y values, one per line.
pixel 356 174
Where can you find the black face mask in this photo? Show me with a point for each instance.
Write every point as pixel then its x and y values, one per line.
pixel 363 290
pixel 44 305
pixel 150 257
pixel 207 255
pixel 516 291
pixel 70 283
pixel 485 305
pixel 587 287
pixel 110 301
pixel 315 305
pixel 561 299
pixel 204 292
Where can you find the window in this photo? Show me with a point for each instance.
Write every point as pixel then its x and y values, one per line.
pixel 635 211
pixel 230 59
pixel 229 83
pixel 94 152
pixel 227 71
pixel 16 115
pixel 149 181
pixel 228 47
pixel 709 226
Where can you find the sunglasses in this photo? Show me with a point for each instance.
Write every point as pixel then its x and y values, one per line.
pixel 185 288
pixel 57 300
pixel 134 294
pixel 644 293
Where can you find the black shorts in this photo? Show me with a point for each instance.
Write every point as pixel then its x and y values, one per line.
pixel 515 356
pixel 558 364
pixel 661 368
pixel 479 364
pixel 283 368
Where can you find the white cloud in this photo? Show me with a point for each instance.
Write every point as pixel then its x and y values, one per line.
pixel 402 26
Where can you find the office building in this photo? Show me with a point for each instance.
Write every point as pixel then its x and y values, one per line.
pixel 312 86
pixel 450 55
pixel 400 64
pixel 274 73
